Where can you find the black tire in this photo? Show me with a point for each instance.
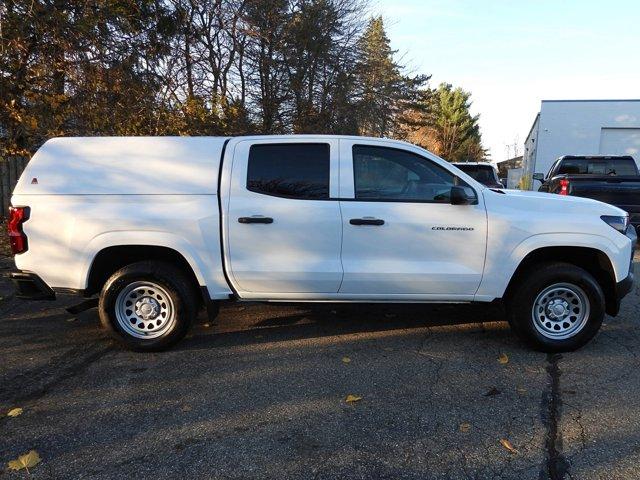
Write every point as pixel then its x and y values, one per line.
pixel 532 283
pixel 170 281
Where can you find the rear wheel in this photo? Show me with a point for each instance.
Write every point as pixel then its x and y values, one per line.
pixel 148 306
pixel 556 307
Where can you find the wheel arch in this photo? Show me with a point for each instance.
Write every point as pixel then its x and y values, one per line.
pixel 111 259
pixel 593 260
pixel 201 262
pixel 109 252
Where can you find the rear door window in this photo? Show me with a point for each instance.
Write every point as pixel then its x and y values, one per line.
pixel 298 171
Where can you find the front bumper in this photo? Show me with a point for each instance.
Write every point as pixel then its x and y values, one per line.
pixel 30 286
pixel 623 287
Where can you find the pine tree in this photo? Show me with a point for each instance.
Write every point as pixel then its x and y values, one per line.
pixel 456 130
pixel 381 83
pixel 445 125
pixel 386 96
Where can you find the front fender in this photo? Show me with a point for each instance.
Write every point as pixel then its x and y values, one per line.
pixel 500 270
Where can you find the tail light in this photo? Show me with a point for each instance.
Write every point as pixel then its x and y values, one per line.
pixel 17 238
pixel 564 187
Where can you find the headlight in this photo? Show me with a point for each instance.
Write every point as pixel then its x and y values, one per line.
pixel 619 223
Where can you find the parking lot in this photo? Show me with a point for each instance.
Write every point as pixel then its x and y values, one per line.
pixel 446 392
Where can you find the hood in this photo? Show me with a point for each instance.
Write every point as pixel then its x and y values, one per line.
pixel 542 201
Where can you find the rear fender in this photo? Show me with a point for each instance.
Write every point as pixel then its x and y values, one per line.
pixel 208 270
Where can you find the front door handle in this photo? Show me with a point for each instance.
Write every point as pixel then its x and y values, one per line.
pixel 366 221
pixel 255 220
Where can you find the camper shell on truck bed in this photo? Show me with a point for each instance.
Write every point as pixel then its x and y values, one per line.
pixel 124 166
pixel 88 194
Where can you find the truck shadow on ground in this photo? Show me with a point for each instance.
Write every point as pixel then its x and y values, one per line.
pixel 245 323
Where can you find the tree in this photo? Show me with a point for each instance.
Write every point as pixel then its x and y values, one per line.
pixel 265 24
pixel 319 49
pixel 209 67
pixel 456 131
pixel 380 81
pixel 385 93
pixel 445 125
pixel 78 68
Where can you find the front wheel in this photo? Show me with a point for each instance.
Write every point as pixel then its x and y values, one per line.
pixel 148 306
pixel 557 307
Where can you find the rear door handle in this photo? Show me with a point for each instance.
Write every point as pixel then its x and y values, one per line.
pixel 366 221
pixel 255 220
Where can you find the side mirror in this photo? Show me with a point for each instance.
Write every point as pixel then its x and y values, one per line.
pixel 539 177
pixel 463 196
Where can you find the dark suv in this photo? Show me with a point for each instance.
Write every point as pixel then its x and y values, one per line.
pixel 484 173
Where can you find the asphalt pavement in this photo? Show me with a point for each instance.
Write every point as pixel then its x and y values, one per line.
pixel 441 392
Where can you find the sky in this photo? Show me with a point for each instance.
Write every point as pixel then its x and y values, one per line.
pixel 512 54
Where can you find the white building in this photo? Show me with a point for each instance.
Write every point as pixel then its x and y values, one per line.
pixel 581 127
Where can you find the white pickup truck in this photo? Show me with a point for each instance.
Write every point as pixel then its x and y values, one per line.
pixel 160 227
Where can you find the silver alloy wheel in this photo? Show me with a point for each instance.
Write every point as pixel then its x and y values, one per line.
pixel 145 310
pixel 560 311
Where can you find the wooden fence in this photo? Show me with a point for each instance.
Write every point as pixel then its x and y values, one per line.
pixel 10 170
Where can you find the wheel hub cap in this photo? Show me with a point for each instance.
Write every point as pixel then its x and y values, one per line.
pixel 560 311
pixel 144 309
pixel 148 308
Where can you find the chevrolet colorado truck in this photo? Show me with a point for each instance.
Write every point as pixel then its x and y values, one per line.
pixel 159 227
pixel 610 179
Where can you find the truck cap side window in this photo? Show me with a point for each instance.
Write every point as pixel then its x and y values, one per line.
pixel 298 171
pixel 391 174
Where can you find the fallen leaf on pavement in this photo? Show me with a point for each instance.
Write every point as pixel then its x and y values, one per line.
pixel 26 461
pixel 346 360
pixel 503 359
pixel 352 399
pixel 14 412
pixel 521 390
pixel 464 427
pixel 507 444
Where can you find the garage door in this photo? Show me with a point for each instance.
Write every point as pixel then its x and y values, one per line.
pixel 620 141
